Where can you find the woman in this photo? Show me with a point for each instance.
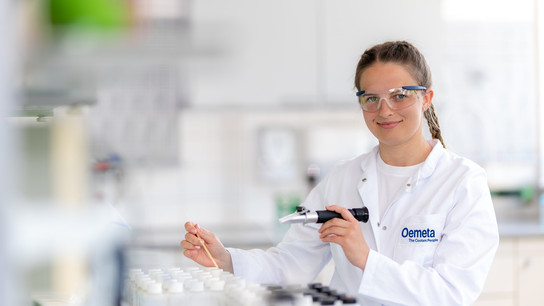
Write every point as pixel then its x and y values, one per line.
pixel 432 232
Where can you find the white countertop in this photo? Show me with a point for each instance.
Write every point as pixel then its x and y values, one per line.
pixel 520 229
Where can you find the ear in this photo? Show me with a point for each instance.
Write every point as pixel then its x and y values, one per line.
pixel 428 99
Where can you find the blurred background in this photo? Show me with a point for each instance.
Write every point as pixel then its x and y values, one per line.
pixel 127 118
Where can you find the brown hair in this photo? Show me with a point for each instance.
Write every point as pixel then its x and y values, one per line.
pixel 404 53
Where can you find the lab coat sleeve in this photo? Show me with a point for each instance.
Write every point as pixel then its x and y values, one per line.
pixel 297 259
pixel 461 261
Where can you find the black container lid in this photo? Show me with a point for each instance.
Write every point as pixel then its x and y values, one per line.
pixel 348 299
pixel 328 301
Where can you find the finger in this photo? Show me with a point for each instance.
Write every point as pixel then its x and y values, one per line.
pixel 342 211
pixel 206 235
pixel 346 215
pixel 190 227
pixel 333 222
pixel 337 231
pixel 192 239
pixel 327 225
pixel 333 239
pixel 191 254
pixel 189 246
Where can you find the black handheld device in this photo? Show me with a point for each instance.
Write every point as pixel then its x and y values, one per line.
pixel 303 215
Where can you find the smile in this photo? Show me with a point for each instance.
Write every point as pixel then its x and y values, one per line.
pixel 389 125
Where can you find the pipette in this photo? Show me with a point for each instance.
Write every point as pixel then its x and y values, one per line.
pixel 303 215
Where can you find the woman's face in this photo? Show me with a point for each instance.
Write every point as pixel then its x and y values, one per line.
pixel 394 127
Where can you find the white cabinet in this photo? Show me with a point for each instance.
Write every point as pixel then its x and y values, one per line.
pixel 500 285
pixel 516 275
pixel 530 266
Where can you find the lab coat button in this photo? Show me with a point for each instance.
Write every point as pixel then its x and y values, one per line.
pixel 364 179
pixel 384 227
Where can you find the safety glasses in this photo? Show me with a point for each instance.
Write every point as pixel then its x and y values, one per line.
pixel 396 98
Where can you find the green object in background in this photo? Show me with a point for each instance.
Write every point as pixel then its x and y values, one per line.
pixel 527 194
pixel 94 14
pixel 287 204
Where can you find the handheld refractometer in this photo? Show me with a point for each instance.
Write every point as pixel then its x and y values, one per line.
pixel 303 215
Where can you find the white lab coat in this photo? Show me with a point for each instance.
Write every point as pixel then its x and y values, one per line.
pixel 433 246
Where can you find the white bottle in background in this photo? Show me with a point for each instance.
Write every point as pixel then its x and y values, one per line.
pixel 153 295
pixel 176 295
pixel 139 288
pixel 196 293
pixel 130 285
pixel 235 291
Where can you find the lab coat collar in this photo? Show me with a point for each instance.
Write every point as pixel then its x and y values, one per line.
pixel 371 161
pixel 431 162
pixel 426 170
pixel 368 191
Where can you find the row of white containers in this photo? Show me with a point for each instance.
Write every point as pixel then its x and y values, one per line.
pixel 206 287
pixel 196 286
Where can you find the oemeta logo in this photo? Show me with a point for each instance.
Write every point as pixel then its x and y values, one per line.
pixel 419 235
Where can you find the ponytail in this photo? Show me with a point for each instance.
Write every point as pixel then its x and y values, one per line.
pixel 434 126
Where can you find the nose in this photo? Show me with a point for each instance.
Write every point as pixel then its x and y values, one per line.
pixel 384 109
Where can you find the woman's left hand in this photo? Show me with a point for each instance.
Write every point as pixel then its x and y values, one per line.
pixel 346 233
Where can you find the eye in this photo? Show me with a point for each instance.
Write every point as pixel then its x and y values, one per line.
pixel 370 99
pixel 400 96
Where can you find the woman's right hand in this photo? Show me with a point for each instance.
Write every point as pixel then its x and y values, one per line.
pixel 195 251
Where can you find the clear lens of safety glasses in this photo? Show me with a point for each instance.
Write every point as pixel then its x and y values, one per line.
pixel 396 98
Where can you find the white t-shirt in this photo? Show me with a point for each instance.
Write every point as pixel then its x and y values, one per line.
pixel 392 182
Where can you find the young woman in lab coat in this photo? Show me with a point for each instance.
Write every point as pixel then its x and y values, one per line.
pixel 432 232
